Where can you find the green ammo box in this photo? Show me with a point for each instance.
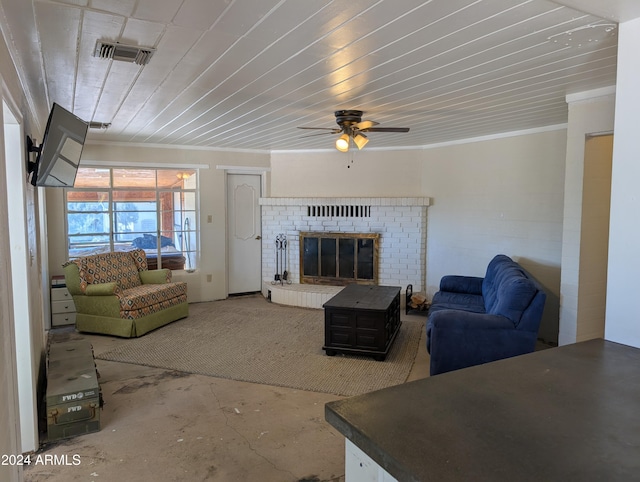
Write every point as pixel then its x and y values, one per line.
pixel 73 391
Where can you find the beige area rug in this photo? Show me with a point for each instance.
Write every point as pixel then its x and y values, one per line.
pixel 249 339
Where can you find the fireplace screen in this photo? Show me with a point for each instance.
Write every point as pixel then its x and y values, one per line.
pixel 339 258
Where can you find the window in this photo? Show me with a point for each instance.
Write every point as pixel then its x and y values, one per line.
pixel 122 209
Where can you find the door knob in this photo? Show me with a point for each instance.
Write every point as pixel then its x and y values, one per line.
pixel 258 237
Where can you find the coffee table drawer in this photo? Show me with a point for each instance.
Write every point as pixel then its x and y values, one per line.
pixel 369 340
pixel 340 319
pixel 341 338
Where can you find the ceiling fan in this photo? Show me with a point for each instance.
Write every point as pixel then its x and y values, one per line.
pixel 351 126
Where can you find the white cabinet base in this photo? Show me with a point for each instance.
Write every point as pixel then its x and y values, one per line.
pixel 359 467
pixel 62 319
pixel 63 310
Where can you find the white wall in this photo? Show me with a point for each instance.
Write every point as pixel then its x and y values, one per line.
pixel 25 274
pixel 10 428
pixel 212 203
pixel 366 173
pixel 495 196
pixel 498 196
pixel 622 322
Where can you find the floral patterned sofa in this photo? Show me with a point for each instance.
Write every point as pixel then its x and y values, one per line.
pixel 115 294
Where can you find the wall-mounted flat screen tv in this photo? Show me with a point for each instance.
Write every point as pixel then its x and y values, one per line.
pixel 59 154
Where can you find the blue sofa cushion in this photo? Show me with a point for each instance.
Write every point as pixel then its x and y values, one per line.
pixel 448 300
pixel 514 294
pixel 506 289
pixel 492 278
pixel 462 284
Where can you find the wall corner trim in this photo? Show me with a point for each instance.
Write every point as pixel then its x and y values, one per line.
pixel 591 94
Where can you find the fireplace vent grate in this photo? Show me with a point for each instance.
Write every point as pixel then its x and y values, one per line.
pixel 339 211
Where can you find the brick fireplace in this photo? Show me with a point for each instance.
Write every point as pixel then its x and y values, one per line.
pixel 400 223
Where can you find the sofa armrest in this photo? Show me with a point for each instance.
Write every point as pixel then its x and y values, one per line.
pixel 72 278
pixel 462 284
pixel 101 289
pixel 459 339
pixel 155 276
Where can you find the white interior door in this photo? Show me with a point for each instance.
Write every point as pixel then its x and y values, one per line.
pixel 243 233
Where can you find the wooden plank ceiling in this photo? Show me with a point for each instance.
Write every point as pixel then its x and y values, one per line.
pixel 245 73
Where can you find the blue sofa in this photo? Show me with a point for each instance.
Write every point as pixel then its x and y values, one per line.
pixel 475 320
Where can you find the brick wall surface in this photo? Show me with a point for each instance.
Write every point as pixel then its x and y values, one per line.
pixel 401 223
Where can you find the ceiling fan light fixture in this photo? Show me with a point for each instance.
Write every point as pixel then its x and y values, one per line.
pixel 342 143
pixel 351 126
pixel 360 140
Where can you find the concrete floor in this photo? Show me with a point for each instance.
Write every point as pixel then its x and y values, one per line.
pixel 161 425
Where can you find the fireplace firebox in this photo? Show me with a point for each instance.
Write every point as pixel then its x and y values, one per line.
pixel 339 258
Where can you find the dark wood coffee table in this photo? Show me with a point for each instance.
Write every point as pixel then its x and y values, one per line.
pixel 362 320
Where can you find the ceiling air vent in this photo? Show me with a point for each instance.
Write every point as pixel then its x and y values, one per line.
pixel 125 53
pixel 99 125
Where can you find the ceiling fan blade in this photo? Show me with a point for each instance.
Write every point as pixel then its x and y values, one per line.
pixel 320 134
pixel 365 124
pixel 386 129
pixel 321 128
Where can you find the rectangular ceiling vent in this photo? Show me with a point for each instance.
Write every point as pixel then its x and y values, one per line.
pixel 124 53
pixel 99 125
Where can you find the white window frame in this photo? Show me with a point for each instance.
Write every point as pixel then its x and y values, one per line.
pixel 190 264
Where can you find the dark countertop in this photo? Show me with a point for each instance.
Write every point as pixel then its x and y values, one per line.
pixel 567 413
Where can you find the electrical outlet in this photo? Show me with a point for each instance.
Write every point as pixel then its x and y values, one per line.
pixel 209 218
pixel 209 278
